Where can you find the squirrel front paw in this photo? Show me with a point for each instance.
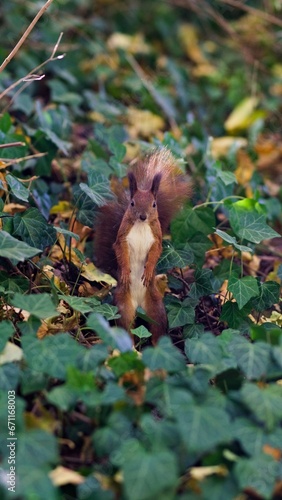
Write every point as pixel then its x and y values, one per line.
pixel 125 278
pixel 147 277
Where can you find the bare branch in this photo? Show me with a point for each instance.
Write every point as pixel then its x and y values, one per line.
pixel 25 35
pixel 32 75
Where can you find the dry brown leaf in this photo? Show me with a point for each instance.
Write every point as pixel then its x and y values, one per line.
pixel 275 453
pixel 13 208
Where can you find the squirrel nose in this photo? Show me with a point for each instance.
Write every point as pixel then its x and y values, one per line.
pixel 143 217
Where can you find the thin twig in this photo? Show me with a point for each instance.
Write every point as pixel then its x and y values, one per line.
pixel 11 144
pixel 35 70
pixel 25 35
pixel 12 161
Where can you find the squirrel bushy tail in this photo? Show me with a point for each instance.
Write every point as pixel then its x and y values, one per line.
pixel 174 189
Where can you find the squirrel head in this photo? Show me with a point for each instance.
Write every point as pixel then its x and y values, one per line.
pixel 143 203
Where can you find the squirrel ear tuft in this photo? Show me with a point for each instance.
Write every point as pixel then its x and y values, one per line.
pixel 156 184
pixel 132 183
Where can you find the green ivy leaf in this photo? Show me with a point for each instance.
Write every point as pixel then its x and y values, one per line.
pixel 232 315
pixel 205 350
pixel 81 304
pixel 149 475
pixel 253 438
pixel 249 224
pixel 97 188
pixel 259 474
pixel 9 376
pixel 265 404
pixel 18 251
pixel 33 229
pixel 203 284
pixel 17 188
pixel 243 289
pixel 117 338
pixel 202 427
pixel 172 257
pixel 232 240
pixel 164 356
pixel 190 222
pixel 253 359
pixel 180 314
pixel 39 305
pixel 7 331
pixel 51 355
pixel 268 295
pixel 227 177
pixel 141 332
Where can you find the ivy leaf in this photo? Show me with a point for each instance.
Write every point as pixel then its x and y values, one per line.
pixel 253 438
pixel 18 251
pixel 9 376
pixel 232 315
pixel 202 427
pixel 189 222
pixel 268 295
pixel 205 349
pixel 227 177
pixel 39 305
pixel 86 208
pixel 141 332
pixel 149 475
pixel 243 289
pixel 97 188
pixel 172 257
pixel 33 229
pixel 249 224
pixel 17 188
pixel 253 359
pixel 264 403
pixel 180 314
pixel 107 310
pixel 232 240
pixel 258 474
pixel 203 284
pixel 164 356
pixel 81 304
pixel 117 338
pixel 51 355
pixel 7 331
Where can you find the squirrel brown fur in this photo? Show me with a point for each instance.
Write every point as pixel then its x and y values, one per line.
pixel 129 231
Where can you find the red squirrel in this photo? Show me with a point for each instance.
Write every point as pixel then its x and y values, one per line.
pixel 128 236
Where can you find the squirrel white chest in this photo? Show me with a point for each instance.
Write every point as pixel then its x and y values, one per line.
pixel 139 239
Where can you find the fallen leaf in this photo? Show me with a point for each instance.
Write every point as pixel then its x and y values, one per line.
pixel 242 115
pixel 62 476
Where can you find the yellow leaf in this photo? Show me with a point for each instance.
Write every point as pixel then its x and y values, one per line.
pixel 143 122
pixel 134 44
pixel 241 116
pixel 220 146
pixel 11 353
pixel 91 273
pixel 62 207
pixel 201 473
pixel 61 476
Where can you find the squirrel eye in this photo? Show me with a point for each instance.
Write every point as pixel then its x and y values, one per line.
pixel 154 204
pixel 132 203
